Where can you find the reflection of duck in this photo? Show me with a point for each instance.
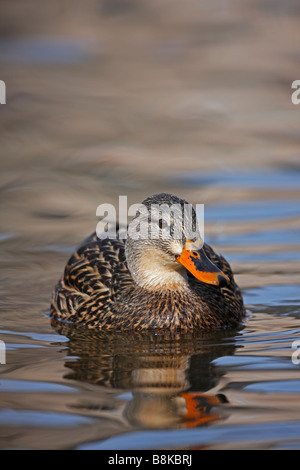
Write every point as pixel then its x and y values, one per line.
pixel 169 281
pixel 171 375
pixel 148 361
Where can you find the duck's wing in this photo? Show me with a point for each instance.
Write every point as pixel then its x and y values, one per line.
pixel 87 279
pixel 231 291
pixel 228 296
pixel 221 263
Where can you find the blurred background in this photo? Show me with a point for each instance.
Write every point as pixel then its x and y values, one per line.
pixel 132 97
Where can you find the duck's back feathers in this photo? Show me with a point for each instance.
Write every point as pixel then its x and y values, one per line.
pixel 87 276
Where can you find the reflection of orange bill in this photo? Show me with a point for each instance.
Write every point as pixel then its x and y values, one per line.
pixel 198 264
pixel 198 408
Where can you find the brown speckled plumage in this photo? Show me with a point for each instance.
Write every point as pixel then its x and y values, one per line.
pixel 97 290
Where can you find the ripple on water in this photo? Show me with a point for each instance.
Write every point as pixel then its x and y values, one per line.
pixel 259 179
pixel 263 210
pixel 196 438
pixel 9 417
pixel 274 295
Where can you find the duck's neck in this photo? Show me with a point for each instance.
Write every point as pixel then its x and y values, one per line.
pixel 153 270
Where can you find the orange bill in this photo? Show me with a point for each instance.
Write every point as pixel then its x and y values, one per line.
pixel 194 259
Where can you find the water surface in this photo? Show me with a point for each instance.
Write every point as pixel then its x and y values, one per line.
pixel 132 100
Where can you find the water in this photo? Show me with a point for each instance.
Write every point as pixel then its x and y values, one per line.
pixel 133 391
pixel 84 124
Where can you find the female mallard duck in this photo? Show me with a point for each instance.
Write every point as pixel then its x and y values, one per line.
pixel 168 281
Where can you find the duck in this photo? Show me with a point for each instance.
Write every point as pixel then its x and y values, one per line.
pixel 160 276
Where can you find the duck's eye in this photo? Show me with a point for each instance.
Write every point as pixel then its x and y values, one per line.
pixel 162 223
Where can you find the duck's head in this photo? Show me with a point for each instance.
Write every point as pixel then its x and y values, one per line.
pixel 163 241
